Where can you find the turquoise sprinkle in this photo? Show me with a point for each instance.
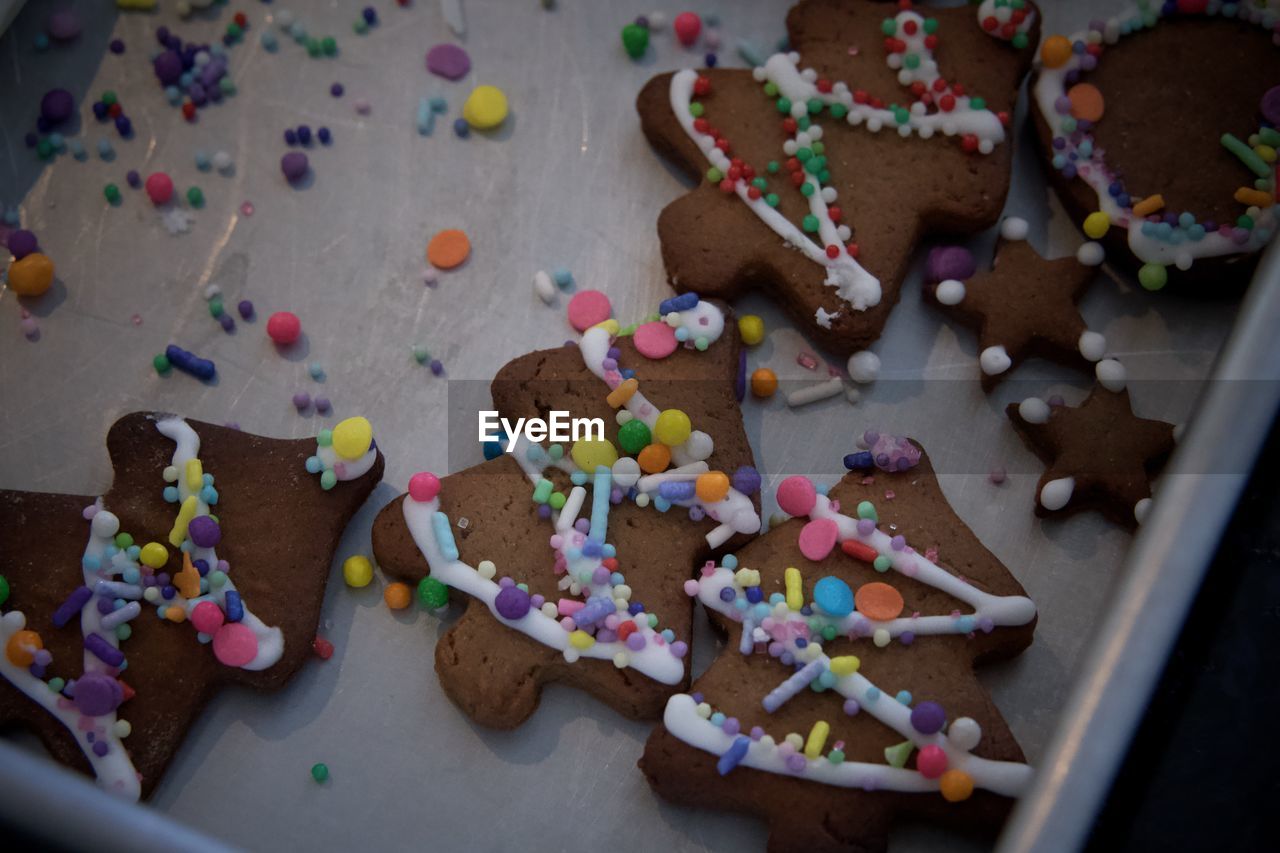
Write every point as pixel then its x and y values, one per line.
pixel 873 695
pixel 729 561
pixel 904 697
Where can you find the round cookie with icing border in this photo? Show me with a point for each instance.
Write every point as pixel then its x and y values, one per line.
pixel 820 172
pixel 832 716
pixel 1160 141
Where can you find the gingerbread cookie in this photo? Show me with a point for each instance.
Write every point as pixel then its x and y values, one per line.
pixel 572 556
pixel 1099 455
pixel 893 126
pixel 845 696
pixel 1194 202
pixel 235 569
pixel 1024 306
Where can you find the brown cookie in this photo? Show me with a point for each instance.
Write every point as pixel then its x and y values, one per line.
pixel 1024 306
pixel 1176 190
pixel 490 663
pixel 836 258
pixel 868 755
pixel 278 530
pixel 1098 455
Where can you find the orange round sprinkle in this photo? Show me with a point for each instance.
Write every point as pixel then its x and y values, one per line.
pixel 21 648
pixel 878 601
pixel 654 459
pixel 1055 52
pixel 764 383
pixel 397 596
pixel 956 785
pixel 448 249
pixel 1086 101
pixel 712 487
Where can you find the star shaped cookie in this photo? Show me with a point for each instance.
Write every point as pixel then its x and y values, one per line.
pixel 1024 306
pixel 1099 455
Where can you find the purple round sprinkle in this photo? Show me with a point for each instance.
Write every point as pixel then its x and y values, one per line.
pixel 22 243
pixel 323 406
pixel 635 641
pixel 168 67
pixel 796 763
pixel 101 748
pixel 448 61
pixel 336 90
pixel 117 46
pixel 204 532
pixel 512 603
pixel 97 694
pixel 544 511
pixel 436 367
pixel 294 165
pixel 928 718
pixel 1270 106
pixel 851 707
pixel 245 308
pixel 731 726
pixel 133 178
pixel 227 322
pixel 56 106
pixel 746 480
pixel 64 25
pixel 301 400
pixel 756 733
pixel 679 648
pixel 950 262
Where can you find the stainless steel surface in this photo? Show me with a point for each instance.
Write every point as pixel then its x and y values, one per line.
pixel 570 181
pixel 1163 574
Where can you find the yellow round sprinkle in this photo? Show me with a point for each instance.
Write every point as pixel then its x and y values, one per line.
pixel 154 555
pixel 486 107
pixel 357 571
pixel 672 428
pixel 588 453
pixel 581 640
pixel 352 437
pixel 751 328
pixel 1096 224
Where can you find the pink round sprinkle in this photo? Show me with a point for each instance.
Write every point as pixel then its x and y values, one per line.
pixel 423 486
pixel 818 538
pixel 587 308
pixel 234 644
pixel 691 588
pixel 207 617
pixel 29 327
pixel 137 319
pixel 796 495
pixel 655 340
pixel 362 106
pixel 997 476
pixel 247 208
pixel 283 327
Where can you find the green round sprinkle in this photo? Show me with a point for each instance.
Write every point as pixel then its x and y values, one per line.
pixel 810 224
pixel 881 564
pixel 109 97
pixel 360 28
pixel 1245 221
pixel 124 632
pixel 930 26
pixel 233 30
pixel 195 197
pixel 772 167
pixel 806 189
pixel 888 26
pixel 1019 40
pixel 56 684
pixel 320 772
pixel 634 436
pixel 653 620
pixel 123 540
pixel 695 109
pixel 829 632
pixel 900 114
pixel 329 45
pixel 978 103
pixel 44 149
pixel 557 500
pixel 420 354
pixel 313 47
pixel 325 437
pixel 803 154
pixel 4 590
pixel 911 61
pixel 635 40
pixel 771 89
pixel 803 122
pixel 328 480
pixel 818 147
pixel 227 86
pixel 759 183
pixel 161 363
pixel 432 593
pixel 866 509
pixel 825 176
pixel 784 105
pixel 839 111
pixel 771 199
pixel 217 579
pixel 112 193
pixel 556 451
pixel 215 307
pixel 836 756
pixel 701 344
pixel 1153 276
pixel 815 105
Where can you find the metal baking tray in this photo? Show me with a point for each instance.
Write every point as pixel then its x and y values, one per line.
pixel 569 182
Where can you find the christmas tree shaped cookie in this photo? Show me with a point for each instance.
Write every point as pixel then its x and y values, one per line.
pixel 845 697
pixel 204 565
pixel 821 170
pixel 571 555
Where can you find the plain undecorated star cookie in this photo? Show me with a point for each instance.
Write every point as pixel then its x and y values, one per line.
pixel 203 566
pixel 821 171
pixel 844 699
pixel 571 555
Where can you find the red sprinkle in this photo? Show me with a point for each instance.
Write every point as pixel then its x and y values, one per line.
pixel 323 648
pixel 859 550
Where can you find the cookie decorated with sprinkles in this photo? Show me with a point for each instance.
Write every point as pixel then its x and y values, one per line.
pixel 844 699
pixel 1172 200
pixel 204 565
pixel 569 555
pixel 820 171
